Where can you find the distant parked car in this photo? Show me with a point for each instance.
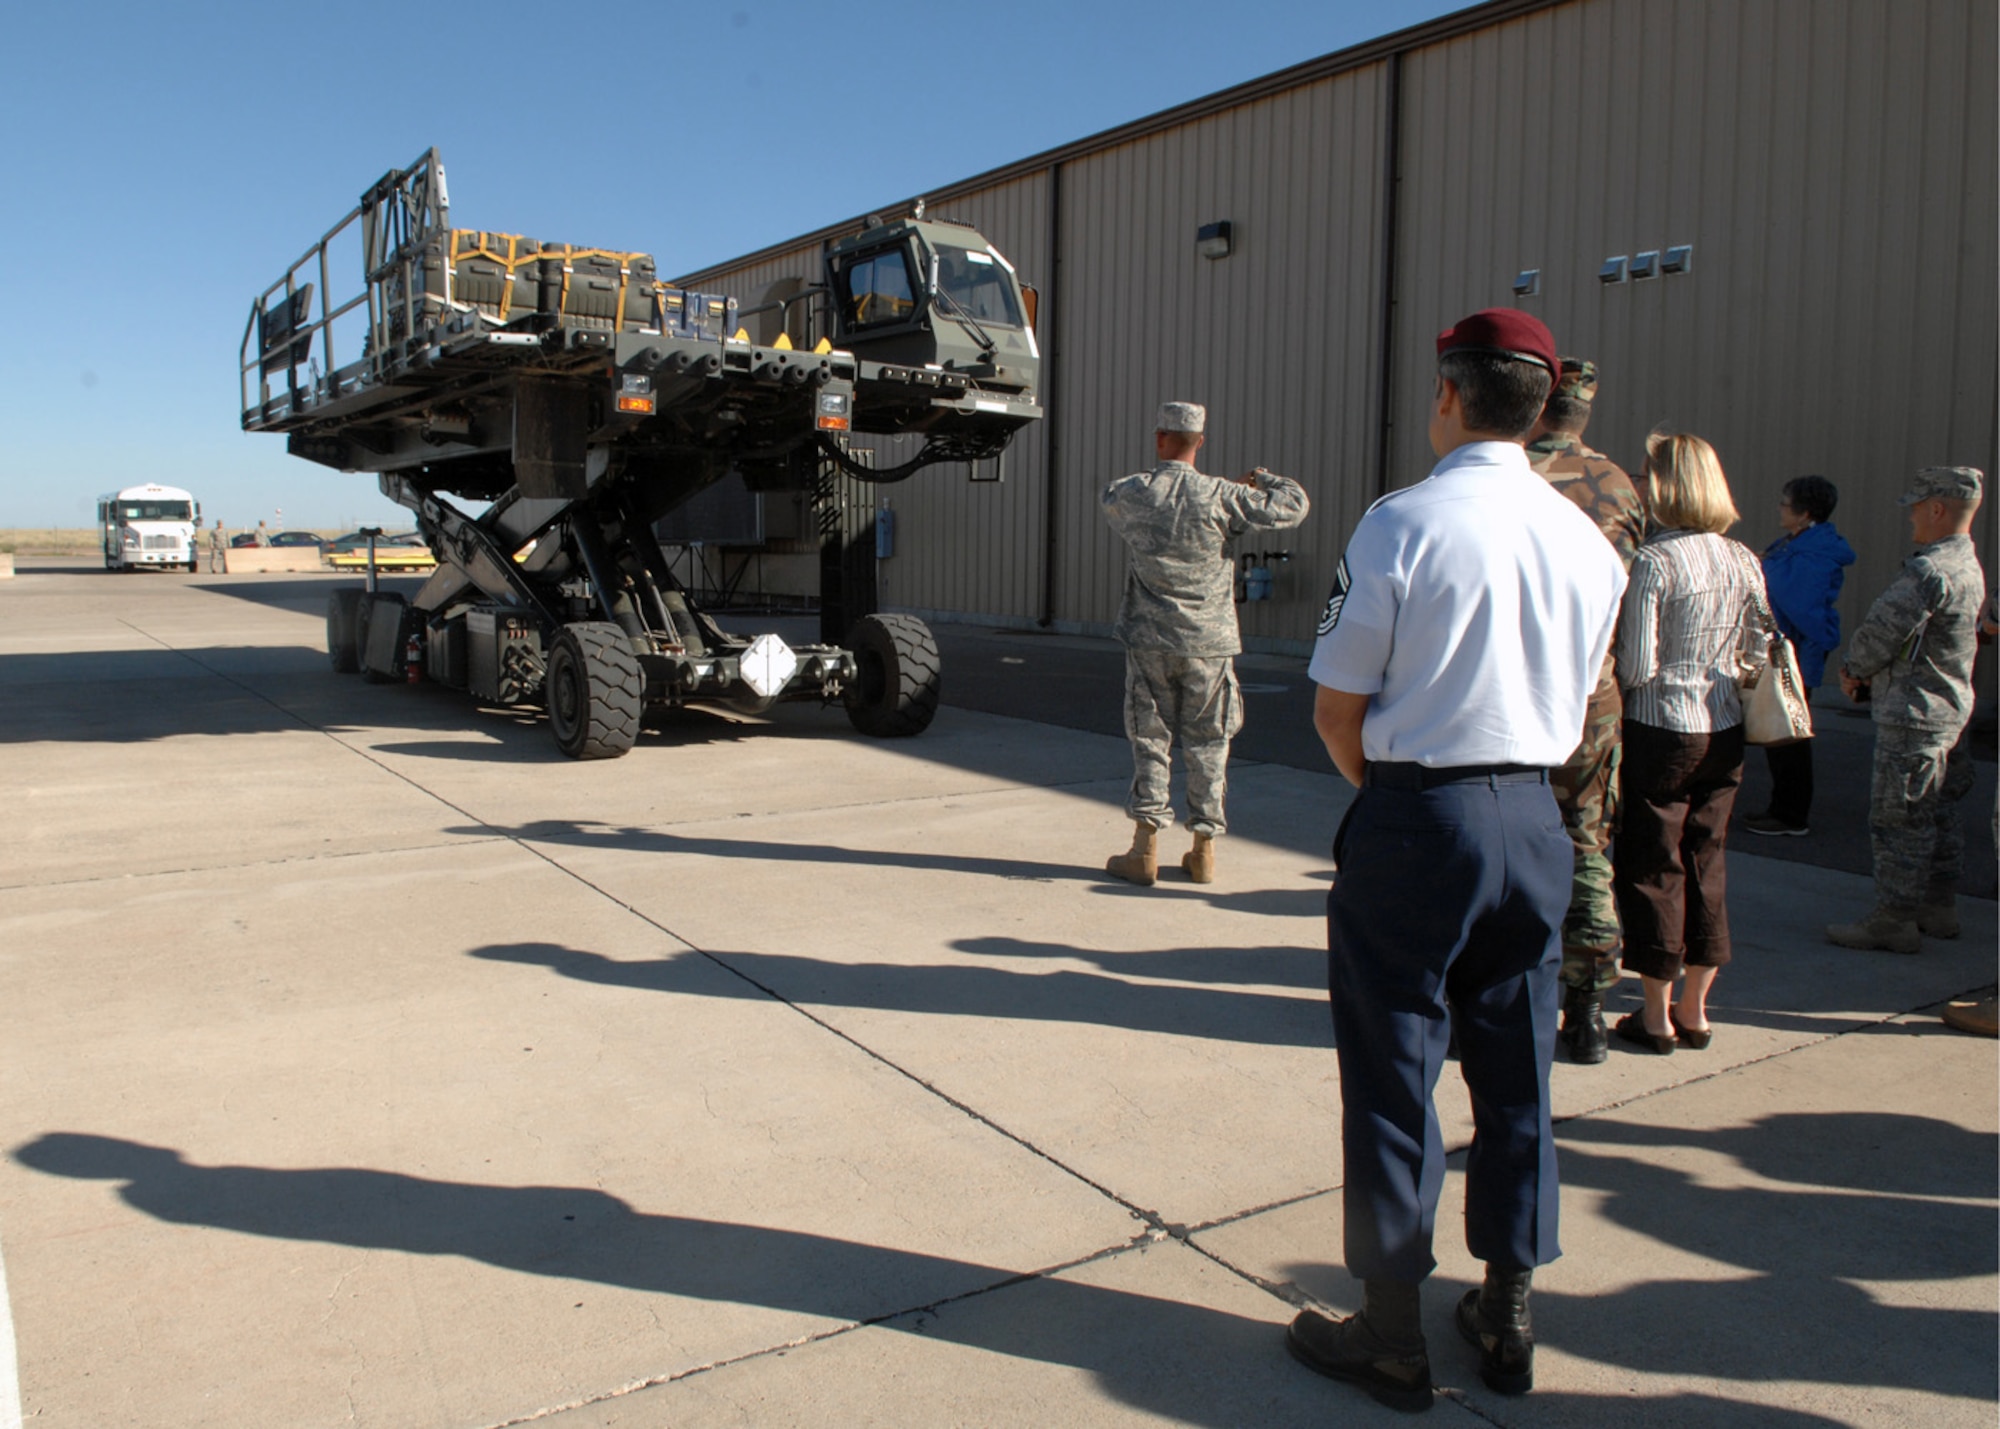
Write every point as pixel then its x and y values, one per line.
pixel 243 538
pixel 297 538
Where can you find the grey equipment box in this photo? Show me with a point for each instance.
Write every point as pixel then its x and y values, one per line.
pixel 503 651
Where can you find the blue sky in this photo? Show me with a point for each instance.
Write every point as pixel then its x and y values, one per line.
pixel 165 163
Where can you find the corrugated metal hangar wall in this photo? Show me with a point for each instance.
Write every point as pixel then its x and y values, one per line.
pixel 1830 166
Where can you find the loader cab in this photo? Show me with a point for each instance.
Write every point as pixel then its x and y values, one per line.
pixel 925 293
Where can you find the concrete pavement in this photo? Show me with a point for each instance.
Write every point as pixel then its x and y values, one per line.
pixel 367 1062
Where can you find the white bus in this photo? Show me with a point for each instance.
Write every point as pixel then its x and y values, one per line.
pixel 149 525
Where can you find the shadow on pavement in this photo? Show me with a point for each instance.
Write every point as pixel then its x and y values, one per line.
pixel 1126 1341
pixel 584 833
pixel 1233 1015
pixel 1862 1204
pixel 1187 1363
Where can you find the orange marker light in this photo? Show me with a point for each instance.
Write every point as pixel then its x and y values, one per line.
pixel 833 424
pixel 636 404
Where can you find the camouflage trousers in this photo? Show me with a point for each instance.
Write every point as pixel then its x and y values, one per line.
pixel 1920 777
pixel 1586 790
pixel 1193 699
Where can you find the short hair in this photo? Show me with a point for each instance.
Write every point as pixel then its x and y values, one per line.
pixel 1685 486
pixel 1811 496
pixel 1497 394
pixel 1566 412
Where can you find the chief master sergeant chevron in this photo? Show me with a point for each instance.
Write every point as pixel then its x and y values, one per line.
pixel 1468 623
pixel 1178 625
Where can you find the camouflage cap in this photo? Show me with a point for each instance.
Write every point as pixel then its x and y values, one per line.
pixel 1947 483
pixel 1189 417
pixel 1578 380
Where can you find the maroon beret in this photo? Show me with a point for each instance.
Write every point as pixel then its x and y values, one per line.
pixel 1507 331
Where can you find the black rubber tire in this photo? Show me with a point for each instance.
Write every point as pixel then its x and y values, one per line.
pixel 362 605
pixel 379 606
pixel 895 690
pixel 594 691
pixel 343 651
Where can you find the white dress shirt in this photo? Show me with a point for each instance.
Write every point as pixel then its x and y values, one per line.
pixel 1475 608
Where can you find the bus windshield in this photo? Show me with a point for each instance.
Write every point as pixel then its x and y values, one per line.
pixel 154 510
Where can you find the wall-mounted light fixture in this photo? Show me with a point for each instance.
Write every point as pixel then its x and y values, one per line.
pixel 1645 265
pixel 1212 240
pixel 1528 283
pixel 1613 270
pixel 1678 259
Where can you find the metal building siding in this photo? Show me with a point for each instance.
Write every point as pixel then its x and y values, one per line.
pixel 1831 161
pixel 977 546
pixel 1278 339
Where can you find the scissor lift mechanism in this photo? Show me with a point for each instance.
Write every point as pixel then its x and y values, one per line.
pixel 581 400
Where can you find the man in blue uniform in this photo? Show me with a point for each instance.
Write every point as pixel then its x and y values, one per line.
pixel 1468 622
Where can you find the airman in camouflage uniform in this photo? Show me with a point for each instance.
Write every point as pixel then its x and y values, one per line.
pixel 1586 787
pixel 1178 625
pixel 1912 659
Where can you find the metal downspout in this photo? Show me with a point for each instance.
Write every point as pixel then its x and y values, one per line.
pixel 1385 357
pixel 1051 408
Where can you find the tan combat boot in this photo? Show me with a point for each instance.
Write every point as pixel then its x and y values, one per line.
pixel 1199 861
pixel 1981 1018
pixel 1142 864
pixel 1937 915
pixel 1891 930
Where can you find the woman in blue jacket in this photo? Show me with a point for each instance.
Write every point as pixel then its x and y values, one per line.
pixel 1803 570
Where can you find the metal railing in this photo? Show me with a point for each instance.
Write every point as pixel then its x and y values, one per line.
pixel 400 216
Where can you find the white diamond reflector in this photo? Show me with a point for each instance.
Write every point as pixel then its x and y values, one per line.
pixel 767 665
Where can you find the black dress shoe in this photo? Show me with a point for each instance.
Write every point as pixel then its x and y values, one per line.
pixel 1632 1028
pixel 1692 1039
pixel 1495 1319
pixel 1350 1350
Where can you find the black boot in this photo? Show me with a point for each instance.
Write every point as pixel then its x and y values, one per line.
pixel 1583 1025
pixel 1380 1350
pixel 1495 1318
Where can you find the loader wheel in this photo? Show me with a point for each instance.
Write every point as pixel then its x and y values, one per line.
pixel 593 688
pixel 364 600
pixel 343 650
pixel 895 691
pixel 379 606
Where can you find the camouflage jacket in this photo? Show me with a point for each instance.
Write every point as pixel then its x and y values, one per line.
pixel 1915 645
pixel 1600 487
pixel 1180 588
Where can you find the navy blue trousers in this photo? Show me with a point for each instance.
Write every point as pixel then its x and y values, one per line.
pixel 1448 907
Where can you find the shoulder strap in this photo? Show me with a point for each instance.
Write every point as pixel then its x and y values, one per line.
pixel 1753 571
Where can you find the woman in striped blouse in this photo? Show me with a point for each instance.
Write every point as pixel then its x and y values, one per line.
pixel 1695 613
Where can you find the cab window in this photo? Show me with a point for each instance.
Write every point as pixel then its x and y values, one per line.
pixel 978 284
pixel 879 289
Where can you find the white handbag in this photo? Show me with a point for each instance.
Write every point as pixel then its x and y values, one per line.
pixel 1774 699
pixel 1774 696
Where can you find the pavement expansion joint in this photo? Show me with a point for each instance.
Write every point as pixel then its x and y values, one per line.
pixel 800 1342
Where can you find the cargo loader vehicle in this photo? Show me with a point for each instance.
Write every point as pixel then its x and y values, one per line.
pixel 539 406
